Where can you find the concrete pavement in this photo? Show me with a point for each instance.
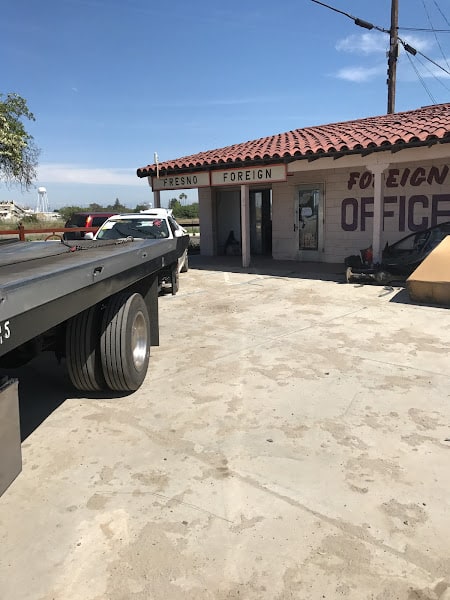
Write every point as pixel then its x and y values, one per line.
pixel 291 440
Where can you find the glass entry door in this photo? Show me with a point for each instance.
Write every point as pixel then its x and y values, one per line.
pixel 309 218
pixel 261 222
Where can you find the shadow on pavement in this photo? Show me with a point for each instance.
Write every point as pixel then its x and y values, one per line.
pixel 44 385
pixel 267 266
pixel 402 297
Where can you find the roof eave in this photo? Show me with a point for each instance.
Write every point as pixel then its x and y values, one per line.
pixel 310 157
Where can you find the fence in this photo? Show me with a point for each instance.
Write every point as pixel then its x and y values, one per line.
pixel 52 231
pixel 21 232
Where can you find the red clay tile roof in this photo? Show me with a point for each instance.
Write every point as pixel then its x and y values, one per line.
pixel 415 127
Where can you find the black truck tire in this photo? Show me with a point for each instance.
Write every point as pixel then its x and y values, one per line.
pixel 83 352
pixel 125 342
pixel 185 267
pixel 174 279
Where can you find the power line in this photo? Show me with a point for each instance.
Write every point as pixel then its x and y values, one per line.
pixel 439 9
pixel 357 21
pixel 435 35
pixel 394 39
pixel 420 78
pixel 433 74
pixel 425 29
pixel 409 49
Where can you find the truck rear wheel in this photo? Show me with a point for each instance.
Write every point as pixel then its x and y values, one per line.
pixel 82 351
pixel 125 342
pixel 174 279
pixel 185 267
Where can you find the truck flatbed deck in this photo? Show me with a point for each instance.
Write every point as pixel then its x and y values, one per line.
pixel 43 283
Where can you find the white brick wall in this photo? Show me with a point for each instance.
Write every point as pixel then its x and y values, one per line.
pixel 338 243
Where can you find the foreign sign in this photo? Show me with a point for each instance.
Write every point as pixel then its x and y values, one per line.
pixel 181 182
pixel 265 174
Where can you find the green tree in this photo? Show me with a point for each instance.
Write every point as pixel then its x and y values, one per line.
pixel 18 154
pixel 67 211
pixel 191 211
pixel 176 207
pixel 141 207
pixel 94 207
pixel 118 206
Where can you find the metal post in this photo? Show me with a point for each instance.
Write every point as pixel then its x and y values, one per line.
pixel 245 225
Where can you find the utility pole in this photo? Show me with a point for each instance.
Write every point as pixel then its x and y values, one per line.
pixel 392 57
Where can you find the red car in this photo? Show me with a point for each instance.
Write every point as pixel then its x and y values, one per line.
pixel 84 219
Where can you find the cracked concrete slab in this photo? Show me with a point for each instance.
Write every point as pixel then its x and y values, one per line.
pixel 290 441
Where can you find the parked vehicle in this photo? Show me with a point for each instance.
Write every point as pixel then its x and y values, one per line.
pixel 94 304
pixel 155 223
pixel 84 219
pixel 399 259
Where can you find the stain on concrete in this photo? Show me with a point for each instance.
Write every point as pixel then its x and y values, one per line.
pixel 97 502
pixel 405 516
pixel 158 480
pixel 423 419
pixel 343 435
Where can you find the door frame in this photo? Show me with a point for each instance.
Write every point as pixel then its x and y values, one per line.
pixel 306 254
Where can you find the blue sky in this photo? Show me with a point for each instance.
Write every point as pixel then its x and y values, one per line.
pixel 111 82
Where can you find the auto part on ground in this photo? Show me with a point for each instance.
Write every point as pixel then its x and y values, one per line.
pixel 430 282
pixel 368 275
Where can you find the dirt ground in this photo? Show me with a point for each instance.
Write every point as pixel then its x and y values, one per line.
pixel 291 441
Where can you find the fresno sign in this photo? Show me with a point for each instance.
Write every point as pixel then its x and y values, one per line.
pixel 181 182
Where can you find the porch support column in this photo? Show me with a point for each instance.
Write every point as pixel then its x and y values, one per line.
pixel 245 225
pixel 378 209
pixel 157 199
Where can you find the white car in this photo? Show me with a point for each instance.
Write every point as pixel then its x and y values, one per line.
pixel 157 223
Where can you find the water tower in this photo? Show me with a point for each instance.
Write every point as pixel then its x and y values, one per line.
pixel 42 203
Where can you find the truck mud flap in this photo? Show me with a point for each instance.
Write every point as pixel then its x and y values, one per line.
pixel 10 449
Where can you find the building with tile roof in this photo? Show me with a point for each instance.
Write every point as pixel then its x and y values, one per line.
pixel 320 193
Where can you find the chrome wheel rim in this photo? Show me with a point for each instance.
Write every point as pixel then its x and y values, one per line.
pixel 139 341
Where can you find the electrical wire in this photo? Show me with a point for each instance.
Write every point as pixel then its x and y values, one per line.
pixel 435 34
pixel 438 79
pixel 409 49
pixel 427 29
pixel 357 21
pixel 420 78
pixel 439 9
pixel 427 58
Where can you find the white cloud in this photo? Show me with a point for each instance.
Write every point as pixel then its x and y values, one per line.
pixel 419 43
pixel 63 173
pixel 365 43
pixel 377 42
pixel 359 74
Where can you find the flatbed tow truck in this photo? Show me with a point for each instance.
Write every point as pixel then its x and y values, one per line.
pixel 93 303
